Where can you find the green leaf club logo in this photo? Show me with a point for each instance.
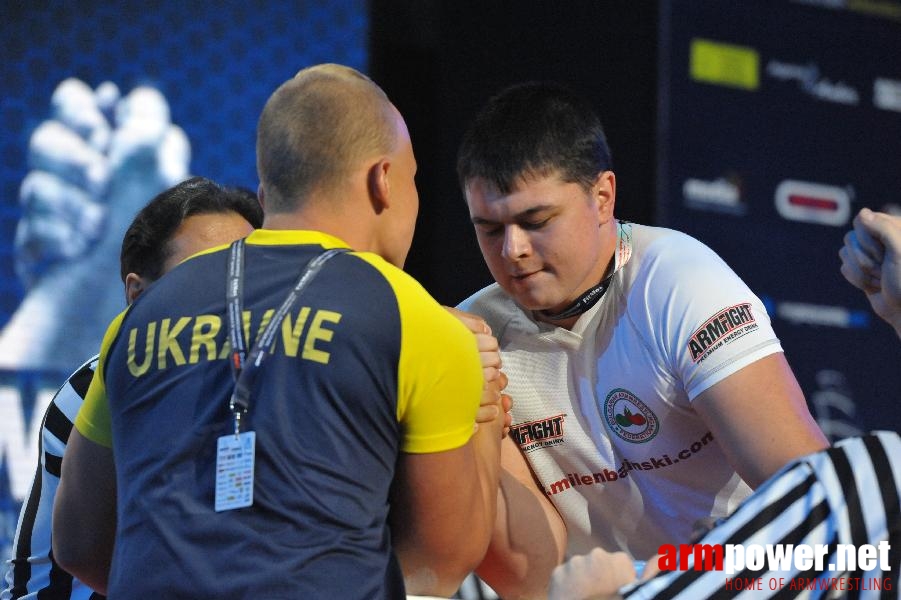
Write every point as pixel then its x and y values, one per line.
pixel 630 418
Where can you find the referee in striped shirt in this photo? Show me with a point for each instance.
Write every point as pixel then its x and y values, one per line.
pixel 849 494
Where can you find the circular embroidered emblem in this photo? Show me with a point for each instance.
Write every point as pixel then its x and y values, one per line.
pixel 630 418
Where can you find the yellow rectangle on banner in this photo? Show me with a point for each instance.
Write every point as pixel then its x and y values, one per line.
pixel 725 64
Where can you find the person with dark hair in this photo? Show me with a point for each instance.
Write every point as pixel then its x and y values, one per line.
pixel 649 388
pixel 189 217
pixel 849 494
pixel 335 454
pixel 142 250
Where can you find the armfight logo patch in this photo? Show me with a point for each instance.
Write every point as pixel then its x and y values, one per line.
pixel 539 434
pixel 722 328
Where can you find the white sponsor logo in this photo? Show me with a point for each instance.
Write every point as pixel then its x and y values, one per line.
pixel 735 558
pixel 810 81
pixel 887 94
pixel 814 314
pixel 719 195
pixel 813 202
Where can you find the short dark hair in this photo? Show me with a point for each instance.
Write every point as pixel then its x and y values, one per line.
pixel 145 246
pixel 537 129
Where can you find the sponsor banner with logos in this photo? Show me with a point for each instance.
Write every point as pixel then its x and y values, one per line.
pixel 772 137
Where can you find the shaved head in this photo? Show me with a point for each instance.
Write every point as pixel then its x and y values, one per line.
pixel 317 128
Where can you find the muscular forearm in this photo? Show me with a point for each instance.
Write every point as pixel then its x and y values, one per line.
pixel 529 538
pixel 486 443
pixel 442 512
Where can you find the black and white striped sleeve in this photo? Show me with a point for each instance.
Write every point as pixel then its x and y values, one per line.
pixel 32 571
pixel 847 494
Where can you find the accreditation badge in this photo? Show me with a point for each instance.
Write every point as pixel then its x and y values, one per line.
pixel 234 470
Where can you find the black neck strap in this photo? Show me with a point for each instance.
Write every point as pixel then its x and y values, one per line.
pixel 246 365
pixel 594 294
pixel 581 304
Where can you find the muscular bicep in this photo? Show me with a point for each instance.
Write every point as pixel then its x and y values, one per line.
pixel 760 418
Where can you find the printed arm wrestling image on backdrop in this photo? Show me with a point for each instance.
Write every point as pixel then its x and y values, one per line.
pixel 94 163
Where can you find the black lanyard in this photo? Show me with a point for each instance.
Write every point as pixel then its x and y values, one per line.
pixel 583 303
pixel 593 295
pixel 245 367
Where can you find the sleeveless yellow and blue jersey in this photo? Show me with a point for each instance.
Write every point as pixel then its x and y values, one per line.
pixel 365 366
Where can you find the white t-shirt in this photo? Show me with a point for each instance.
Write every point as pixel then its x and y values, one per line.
pixel 603 412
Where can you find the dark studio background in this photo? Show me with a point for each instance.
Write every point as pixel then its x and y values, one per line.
pixel 440 61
